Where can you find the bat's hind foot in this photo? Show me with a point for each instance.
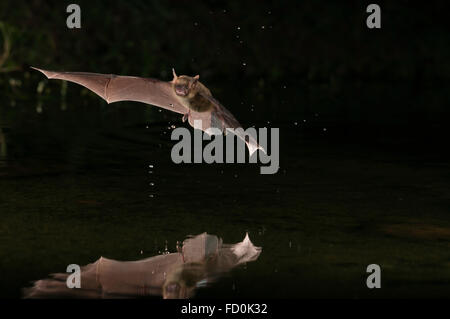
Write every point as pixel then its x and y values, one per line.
pixel 186 117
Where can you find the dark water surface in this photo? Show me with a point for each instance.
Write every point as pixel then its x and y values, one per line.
pixel 83 183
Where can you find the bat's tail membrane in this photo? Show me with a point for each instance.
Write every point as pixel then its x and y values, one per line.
pixel 253 145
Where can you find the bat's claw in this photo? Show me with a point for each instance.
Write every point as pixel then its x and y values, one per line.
pixel 185 117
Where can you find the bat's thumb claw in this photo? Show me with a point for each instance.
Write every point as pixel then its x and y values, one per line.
pixel 174 74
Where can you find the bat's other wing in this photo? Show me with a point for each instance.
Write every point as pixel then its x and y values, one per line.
pixel 222 119
pixel 114 88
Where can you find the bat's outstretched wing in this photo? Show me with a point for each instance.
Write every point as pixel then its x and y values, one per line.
pixel 114 88
pixel 222 119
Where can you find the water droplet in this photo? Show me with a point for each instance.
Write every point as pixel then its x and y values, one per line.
pixel 152 184
pixel 244 64
pixel 324 129
pixel 239 28
pixel 150 166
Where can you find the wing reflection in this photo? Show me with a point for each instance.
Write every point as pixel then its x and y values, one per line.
pixel 201 260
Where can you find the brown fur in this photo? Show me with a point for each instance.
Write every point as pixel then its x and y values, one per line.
pixel 194 99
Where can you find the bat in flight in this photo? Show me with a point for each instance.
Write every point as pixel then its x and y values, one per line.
pixel 184 94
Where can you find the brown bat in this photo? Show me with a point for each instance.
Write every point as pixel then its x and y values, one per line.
pixel 184 95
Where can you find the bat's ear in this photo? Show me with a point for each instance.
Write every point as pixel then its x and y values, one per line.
pixel 174 75
pixel 196 78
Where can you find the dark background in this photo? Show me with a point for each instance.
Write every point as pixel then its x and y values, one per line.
pixel 362 113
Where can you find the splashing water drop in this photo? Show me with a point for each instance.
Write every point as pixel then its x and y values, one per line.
pixel 166 250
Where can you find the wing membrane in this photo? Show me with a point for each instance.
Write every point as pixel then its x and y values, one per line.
pixel 114 88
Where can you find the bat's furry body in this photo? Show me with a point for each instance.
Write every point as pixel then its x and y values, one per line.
pixel 184 95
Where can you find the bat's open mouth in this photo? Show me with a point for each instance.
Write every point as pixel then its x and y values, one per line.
pixel 181 91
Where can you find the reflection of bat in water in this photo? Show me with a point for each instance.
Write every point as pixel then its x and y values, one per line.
pixel 184 94
pixel 176 275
